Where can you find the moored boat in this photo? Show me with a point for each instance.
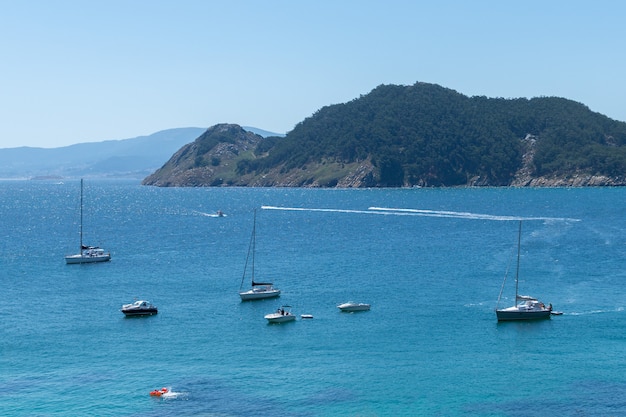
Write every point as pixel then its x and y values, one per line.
pixel 259 290
pixel 526 307
pixel 281 315
pixel 86 254
pixel 352 306
pixel 139 308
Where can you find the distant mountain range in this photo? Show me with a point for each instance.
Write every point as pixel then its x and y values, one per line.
pixel 125 158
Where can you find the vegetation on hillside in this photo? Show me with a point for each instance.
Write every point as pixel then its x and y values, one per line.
pixel 425 134
pixel 421 134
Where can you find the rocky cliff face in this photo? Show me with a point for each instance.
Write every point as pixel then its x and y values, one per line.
pixel 212 159
pixel 524 176
pixel 208 161
pixel 574 180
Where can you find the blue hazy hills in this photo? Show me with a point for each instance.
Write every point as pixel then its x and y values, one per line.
pixel 125 158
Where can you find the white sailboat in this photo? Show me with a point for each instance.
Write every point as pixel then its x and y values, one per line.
pixel 87 254
pixel 526 307
pixel 259 290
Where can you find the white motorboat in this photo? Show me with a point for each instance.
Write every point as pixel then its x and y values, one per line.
pixel 87 254
pixel 139 308
pixel 352 306
pixel 526 307
pixel 281 315
pixel 259 290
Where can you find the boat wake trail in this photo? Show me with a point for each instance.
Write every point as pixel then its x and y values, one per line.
pixel 317 209
pixel 466 215
pixel 586 313
pixel 172 395
pixel 424 213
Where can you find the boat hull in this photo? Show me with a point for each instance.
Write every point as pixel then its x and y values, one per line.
pixel 80 259
pixel 517 315
pixel 258 295
pixel 135 313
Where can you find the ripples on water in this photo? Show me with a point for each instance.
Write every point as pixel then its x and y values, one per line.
pixel 430 262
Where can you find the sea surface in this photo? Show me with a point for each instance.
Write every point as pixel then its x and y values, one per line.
pixel 431 263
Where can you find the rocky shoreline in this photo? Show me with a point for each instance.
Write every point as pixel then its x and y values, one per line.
pixel 576 180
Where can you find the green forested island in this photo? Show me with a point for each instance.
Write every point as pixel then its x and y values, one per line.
pixel 419 135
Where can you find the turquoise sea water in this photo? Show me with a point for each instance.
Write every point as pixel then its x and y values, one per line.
pixel 430 346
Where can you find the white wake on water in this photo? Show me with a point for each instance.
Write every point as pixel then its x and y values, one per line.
pixel 585 313
pixel 424 213
pixel 317 209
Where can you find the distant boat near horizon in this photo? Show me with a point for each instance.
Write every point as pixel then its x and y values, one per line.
pixel 86 254
pixel 259 290
pixel 526 307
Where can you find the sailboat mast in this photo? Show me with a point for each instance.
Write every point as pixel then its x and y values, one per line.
pixel 250 249
pixel 519 241
pixel 80 230
pixel 253 244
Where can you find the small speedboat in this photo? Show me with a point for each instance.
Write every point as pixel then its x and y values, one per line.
pixel 159 392
pixel 281 315
pixel 351 306
pixel 167 393
pixel 139 308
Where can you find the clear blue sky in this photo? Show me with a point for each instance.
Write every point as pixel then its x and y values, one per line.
pixel 83 71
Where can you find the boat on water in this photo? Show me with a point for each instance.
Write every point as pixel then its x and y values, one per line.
pixel 139 308
pixel 352 306
pixel 281 315
pixel 167 393
pixel 159 392
pixel 259 290
pixel 86 254
pixel 526 307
